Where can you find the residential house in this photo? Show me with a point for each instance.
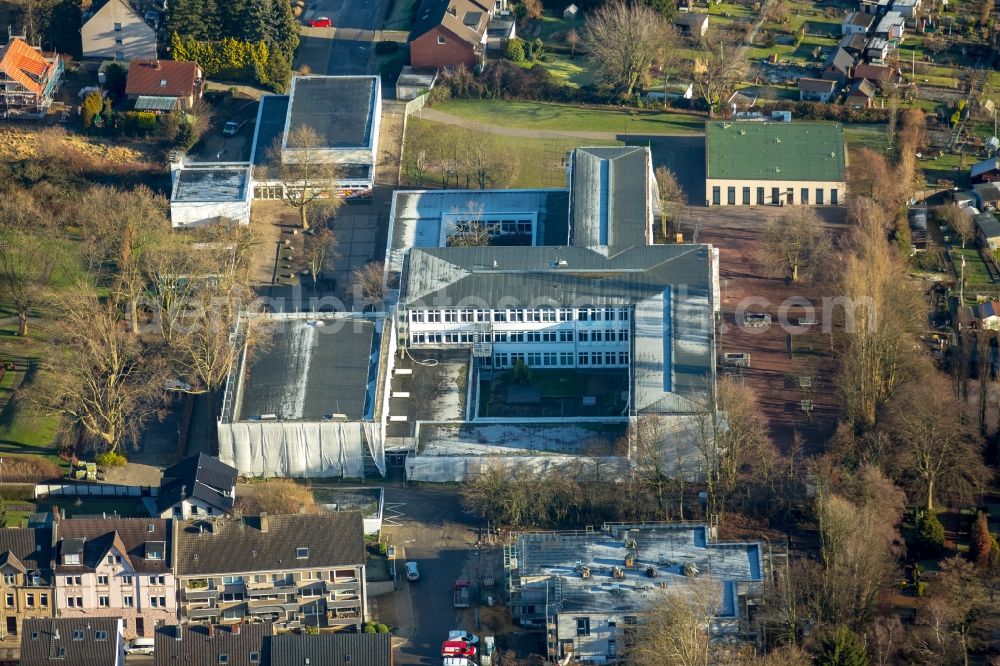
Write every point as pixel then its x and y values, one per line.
pixel 882 75
pixel 988 315
pixel 908 8
pixel 987 171
pixel 816 90
pixel 772 163
pixel 163 85
pixel 891 27
pixel 28 79
pixel 861 95
pixel 987 195
pixel 854 44
pixel 691 24
pixel 26 566
pixel 875 6
pixel 256 644
pixel 857 23
pixel 593 590
pixel 73 642
pixel 987 231
pixel 448 33
pixel 116 567
pixel 200 485
pixel 877 50
pixel 115 31
pixel 838 66
pixel 293 570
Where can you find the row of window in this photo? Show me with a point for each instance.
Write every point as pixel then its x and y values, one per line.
pixel 104 580
pixel 104 601
pixel 339 575
pixel 497 227
pixel 471 315
pixel 29 600
pixel 78 635
pixel 500 337
pixel 563 359
pixel 777 196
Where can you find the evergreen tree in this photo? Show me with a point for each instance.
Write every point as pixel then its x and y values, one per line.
pixel 3 512
pixel 841 647
pixel 980 541
pixel 256 23
pixel 232 19
pixel 197 19
pixel 284 34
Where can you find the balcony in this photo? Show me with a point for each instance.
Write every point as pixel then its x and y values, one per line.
pixel 202 613
pixel 347 585
pixel 202 594
pixel 344 603
pixel 277 609
pixel 272 590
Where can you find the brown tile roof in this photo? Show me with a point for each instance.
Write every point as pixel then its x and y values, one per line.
pixel 128 535
pixel 161 78
pixel 25 65
pixel 880 73
pixel 817 85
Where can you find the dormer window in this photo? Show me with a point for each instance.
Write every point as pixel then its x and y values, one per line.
pixel 154 550
pixel 9 579
pixel 118 27
pixel 163 83
pixel 301 553
pixel 78 634
pixel 71 558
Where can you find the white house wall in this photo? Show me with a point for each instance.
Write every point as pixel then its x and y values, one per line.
pixel 827 188
pixel 196 213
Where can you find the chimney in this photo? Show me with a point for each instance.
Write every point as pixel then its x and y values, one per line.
pixel 211 631
pixel 156 64
pixel 178 633
pixel 263 521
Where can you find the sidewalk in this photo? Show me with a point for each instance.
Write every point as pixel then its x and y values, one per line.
pixel 396 610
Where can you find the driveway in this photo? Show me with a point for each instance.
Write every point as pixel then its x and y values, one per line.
pixel 346 48
pixel 435 532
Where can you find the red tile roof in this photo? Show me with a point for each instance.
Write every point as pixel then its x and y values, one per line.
pixel 22 63
pixel 161 78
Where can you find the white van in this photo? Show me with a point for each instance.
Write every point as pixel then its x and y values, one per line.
pixel 140 646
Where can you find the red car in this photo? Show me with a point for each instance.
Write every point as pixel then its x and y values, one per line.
pixel 320 22
pixel 457 649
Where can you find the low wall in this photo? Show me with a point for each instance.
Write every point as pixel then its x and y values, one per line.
pixel 457 469
pixel 93 490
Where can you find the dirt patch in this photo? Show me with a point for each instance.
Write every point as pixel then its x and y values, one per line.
pixel 787 366
pixel 21 143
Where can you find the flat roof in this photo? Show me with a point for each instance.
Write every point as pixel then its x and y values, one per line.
pixel 313 369
pixel 668 548
pixel 775 151
pixel 210 184
pixel 270 123
pixel 340 108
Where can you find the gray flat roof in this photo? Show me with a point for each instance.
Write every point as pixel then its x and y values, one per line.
pixel 667 547
pixel 211 184
pixel 340 108
pixel 313 369
pixel 270 124
pixel 609 206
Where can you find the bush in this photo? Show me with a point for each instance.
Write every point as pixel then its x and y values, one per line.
pixel 928 534
pixel 279 496
pixel 91 107
pixel 841 647
pixel 27 469
pixel 514 50
pixel 381 628
pixel 386 47
pixel 383 548
pixel 110 459
pixel 138 123
pixel 368 628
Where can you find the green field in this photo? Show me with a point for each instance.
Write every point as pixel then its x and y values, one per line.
pixel 866 136
pixel 976 272
pixel 567 118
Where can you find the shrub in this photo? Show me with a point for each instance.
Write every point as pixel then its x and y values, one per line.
pixel 385 47
pixel 381 628
pixel 27 469
pixel 368 628
pixel 980 540
pixel 110 459
pixel 841 647
pixel 138 123
pixel 16 492
pixel 279 496
pixel 514 50
pixel 91 107
pixel 928 534
pixel 383 548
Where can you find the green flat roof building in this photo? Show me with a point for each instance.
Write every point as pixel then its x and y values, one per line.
pixel 774 163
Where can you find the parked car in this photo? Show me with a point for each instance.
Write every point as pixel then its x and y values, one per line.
pixel 139 646
pixel 412 572
pixel 320 22
pixel 459 635
pixel 390 552
pixel 230 128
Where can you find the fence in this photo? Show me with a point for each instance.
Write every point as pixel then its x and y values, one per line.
pixel 93 490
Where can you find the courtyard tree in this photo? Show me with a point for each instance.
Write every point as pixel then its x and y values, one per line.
pixel 307 176
pixel 320 246
pixel 623 41
pixel 470 230
pixel 795 242
pixel 675 631
pixel 32 253
pixel 487 161
pixel 934 449
pixel 672 197
pixel 369 283
pixel 718 68
pixel 100 378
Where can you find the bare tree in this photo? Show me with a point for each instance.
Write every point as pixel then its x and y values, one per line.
pixel 533 9
pixel 306 174
pixel 173 271
pixel 954 217
pixel 959 615
pixel 100 378
pixel 719 66
pixel 320 246
pixel 370 282
pixel 573 40
pixel 934 446
pixel 487 160
pixel 470 230
pixel 31 253
pixel 676 630
pixel 672 197
pixel 623 41
pixel 795 242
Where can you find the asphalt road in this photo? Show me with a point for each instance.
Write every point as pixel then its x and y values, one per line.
pixel 440 537
pixel 355 22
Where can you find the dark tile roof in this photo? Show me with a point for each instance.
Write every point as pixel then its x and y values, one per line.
pixel 95 536
pixel 879 73
pixel 840 61
pixel 862 88
pixel 27 549
pixel 235 546
pixel 161 78
pixel 193 646
pixel 43 639
pixel 201 477
pixel 331 650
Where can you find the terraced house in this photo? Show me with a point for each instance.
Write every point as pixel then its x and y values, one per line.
pixel 291 570
pixel 116 567
pixel 25 563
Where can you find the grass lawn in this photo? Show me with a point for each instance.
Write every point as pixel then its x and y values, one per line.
pixel 976 272
pixel 866 136
pixel 24 431
pixel 565 117
pixel 948 167
pixel 540 161
pixel 571 71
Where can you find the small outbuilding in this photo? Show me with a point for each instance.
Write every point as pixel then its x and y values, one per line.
pixel 206 193
pixel 570 12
